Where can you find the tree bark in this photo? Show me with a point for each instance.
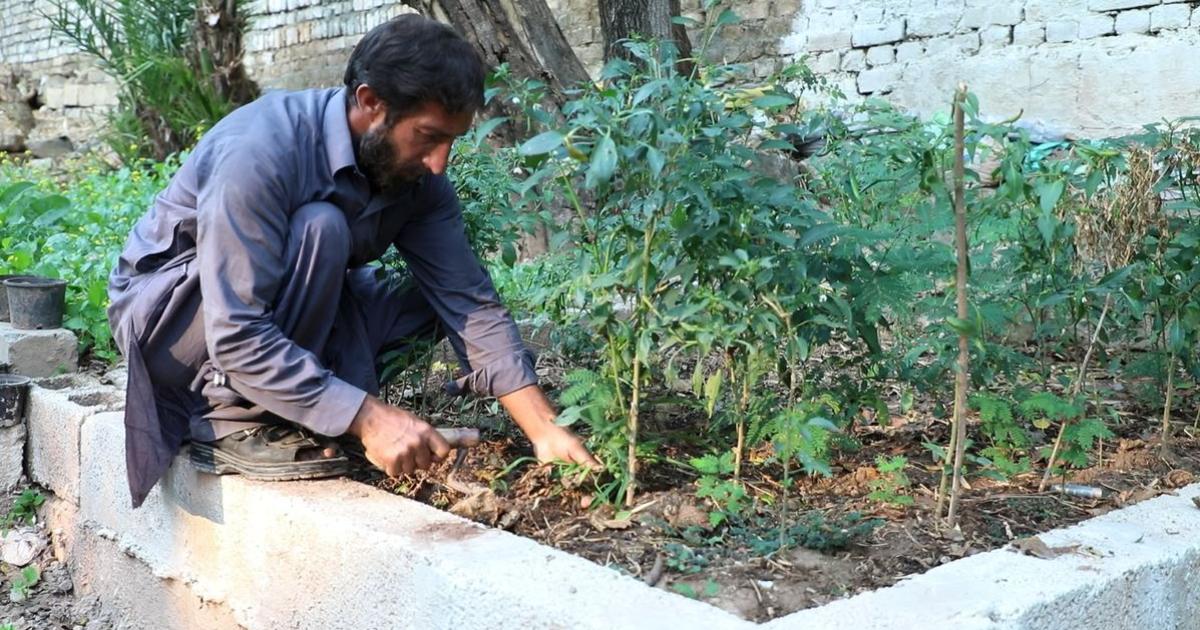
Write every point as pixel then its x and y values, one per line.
pixel 218 38
pixel 648 19
pixel 521 33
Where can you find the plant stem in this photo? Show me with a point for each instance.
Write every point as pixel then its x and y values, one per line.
pixel 1166 417
pixel 743 406
pixel 631 489
pixel 1076 387
pixel 964 354
pixel 639 321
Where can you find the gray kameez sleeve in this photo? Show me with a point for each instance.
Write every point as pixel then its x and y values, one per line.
pixel 451 278
pixel 242 230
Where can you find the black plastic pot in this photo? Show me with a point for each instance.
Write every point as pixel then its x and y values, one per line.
pixel 4 294
pixel 14 391
pixel 36 303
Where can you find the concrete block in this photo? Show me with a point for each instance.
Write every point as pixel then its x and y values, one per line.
pixel 384 561
pixel 994 36
pixel 932 24
pixel 53 97
pixel 12 456
pixel 854 61
pixel 880 55
pixel 876 34
pixel 1119 5
pixel 1060 31
pixel 829 40
pixel 1096 26
pixel 825 62
pixel 1133 22
pixel 866 15
pixel 1001 13
pixel 38 353
pixel 1136 569
pixel 909 51
pixel 1169 16
pixel 878 80
pixel 1029 34
pixel 71 95
pixel 58 408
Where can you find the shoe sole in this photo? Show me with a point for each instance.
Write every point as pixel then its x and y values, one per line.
pixel 205 458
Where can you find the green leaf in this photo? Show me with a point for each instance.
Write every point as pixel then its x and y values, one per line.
pixel 773 101
pixel 1049 193
pixel 963 326
pixel 542 143
pixel 712 390
pixel 728 17
pixel 656 161
pixel 508 254
pixel 604 162
pixel 486 128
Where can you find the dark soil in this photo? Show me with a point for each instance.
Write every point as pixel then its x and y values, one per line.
pixel 52 603
pixel 842 542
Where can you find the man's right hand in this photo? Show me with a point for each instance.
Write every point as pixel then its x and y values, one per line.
pixel 396 440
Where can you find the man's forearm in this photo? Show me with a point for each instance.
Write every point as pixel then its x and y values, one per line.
pixel 531 410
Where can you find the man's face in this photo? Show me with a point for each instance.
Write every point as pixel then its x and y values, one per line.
pixel 417 144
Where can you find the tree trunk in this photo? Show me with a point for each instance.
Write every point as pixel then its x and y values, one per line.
pixel 521 33
pixel 218 38
pixel 649 19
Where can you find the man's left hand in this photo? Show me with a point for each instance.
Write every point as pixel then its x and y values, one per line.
pixel 555 443
pixel 535 415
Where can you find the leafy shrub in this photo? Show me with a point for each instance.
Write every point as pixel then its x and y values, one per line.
pixel 75 230
pixel 168 96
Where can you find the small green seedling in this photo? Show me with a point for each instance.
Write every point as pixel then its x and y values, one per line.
pixel 892 482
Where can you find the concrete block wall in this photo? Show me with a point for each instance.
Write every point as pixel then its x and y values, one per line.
pixel 294 44
pixel 1088 68
pixel 224 552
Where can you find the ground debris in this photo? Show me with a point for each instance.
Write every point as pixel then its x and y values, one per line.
pixel 1034 546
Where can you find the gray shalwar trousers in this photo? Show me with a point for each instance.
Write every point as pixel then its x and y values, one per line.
pixel 345 316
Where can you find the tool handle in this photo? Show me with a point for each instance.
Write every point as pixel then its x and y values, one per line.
pixel 460 438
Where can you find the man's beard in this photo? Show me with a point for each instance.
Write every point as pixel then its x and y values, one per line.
pixel 377 159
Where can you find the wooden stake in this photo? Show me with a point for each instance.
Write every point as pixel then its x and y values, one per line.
pixel 1163 447
pixel 964 354
pixel 1076 387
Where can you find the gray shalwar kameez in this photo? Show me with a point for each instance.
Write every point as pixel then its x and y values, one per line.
pixel 242 295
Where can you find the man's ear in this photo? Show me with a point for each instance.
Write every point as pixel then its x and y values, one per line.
pixel 369 102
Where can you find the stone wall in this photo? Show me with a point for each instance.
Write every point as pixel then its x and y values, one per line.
pixel 1084 67
pixel 1080 67
pixel 296 44
pixel 47 92
pixel 753 41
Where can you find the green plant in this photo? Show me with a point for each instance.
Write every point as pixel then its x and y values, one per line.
pixel 688 256
pixel 1008 441
pixel 1044 409
pixel 812 530
pixel 23 582
pixel 167 99
pixel 23 510
pixel 74 229
pixel 711 588
pixel 727 495
pixel 892 482
pixel 684 559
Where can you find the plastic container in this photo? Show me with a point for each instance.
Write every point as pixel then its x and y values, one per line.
pixel 4 294
pixel 36 303
pixel 14 393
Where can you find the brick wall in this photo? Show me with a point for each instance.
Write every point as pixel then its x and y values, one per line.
pixel 1083 67
pixel 1087 67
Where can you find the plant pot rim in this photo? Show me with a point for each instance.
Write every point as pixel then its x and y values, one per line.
pixel 7 380
pixel 33 282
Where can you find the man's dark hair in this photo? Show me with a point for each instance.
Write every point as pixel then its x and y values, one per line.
pixel 411 60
